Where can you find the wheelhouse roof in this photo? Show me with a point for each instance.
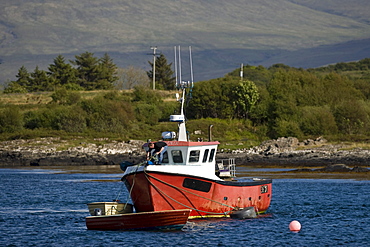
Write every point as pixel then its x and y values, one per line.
pixel 189 144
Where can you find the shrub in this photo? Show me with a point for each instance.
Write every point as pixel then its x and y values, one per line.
pixel 317 121
pixel 42 118
pixel 286 128
pixel 70 119
pixel 64 97
pixel 146 95
pixel 353 117
pixel 108 115
pixel 147 113
pixel 11 120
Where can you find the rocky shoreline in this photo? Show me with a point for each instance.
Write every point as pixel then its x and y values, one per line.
pixel 55 152
pixel 289 152
pixel 282 152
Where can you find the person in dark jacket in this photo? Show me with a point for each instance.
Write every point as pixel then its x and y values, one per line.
pixel 156 148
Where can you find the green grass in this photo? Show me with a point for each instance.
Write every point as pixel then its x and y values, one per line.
pixel 232 134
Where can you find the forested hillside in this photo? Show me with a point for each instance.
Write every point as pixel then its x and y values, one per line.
pixel 332 101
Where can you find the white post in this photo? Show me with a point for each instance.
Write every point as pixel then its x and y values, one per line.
pixel 241 72
pixel 154 48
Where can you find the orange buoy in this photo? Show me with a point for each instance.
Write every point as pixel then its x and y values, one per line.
pixel 295 226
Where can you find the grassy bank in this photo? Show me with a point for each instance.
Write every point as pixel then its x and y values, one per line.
pixel 232 133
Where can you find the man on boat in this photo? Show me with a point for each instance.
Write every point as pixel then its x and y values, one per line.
pixel 156 148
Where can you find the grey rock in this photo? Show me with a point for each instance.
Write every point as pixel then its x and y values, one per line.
pixel 44 152
pixel 282 151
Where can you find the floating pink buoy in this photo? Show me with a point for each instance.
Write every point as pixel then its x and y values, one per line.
pixel 295 226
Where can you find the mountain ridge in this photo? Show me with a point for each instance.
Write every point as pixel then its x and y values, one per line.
pixel 256 31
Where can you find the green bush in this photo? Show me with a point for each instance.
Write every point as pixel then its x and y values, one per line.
pixel 104 124
pixel 108 115
pixel 147 113
pixel 43 118
pixel 286 128
pixel 64 97
pixel 11 119
pixel 73 87
pixel 70 119
pixel 317 121
pixel 353 117
pixel 167 109
pixel 146 95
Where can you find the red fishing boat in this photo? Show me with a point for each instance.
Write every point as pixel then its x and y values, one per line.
pixel 189 177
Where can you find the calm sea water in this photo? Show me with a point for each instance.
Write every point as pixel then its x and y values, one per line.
pixel 44 208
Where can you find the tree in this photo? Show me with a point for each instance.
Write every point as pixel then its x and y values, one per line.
pixel 317 120
pixel 339 89
pixel 23 77
pixel 212 99
pixel 164 78
pixel 21 84
pixel 39 81
pixel 94 73
pixel 14 87
pixel 283 111
pixel 87 70
pixel 258 74
pixel 352 117
pixel 131 77
pixel 61 73
pixel 245 96
pixel 107 73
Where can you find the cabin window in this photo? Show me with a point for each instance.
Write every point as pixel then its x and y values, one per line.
pixel 177 156
pixel 196 185
pixel 194 156
pixel 212 155
pixel 165 157
pixel 205 155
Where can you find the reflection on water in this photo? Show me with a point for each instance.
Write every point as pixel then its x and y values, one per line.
pixel 49 209
pixel 243 169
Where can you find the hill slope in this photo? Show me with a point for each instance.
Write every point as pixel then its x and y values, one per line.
pixel 222 34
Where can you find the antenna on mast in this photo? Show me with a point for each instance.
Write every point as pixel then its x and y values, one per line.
pixel 179 67
pixel 183 86
pixel 175 64
pixel 191 66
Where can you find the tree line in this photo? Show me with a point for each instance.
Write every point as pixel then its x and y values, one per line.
pixel 88 72
pixel 291 101
pixel 275 101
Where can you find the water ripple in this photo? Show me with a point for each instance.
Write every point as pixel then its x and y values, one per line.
pixel 49 209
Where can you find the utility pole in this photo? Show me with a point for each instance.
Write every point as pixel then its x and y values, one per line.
pixel 154 48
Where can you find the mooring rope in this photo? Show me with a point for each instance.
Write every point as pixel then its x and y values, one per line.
pixel 173 186
pixel 119 192
pixel 133 183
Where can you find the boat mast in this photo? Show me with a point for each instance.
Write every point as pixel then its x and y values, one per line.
pixel 191 66
pixel 182 85
pixel 175 63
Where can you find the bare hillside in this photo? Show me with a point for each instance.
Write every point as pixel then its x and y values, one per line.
pixel 223 34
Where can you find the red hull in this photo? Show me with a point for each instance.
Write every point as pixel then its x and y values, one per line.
pixel 167 220
pixel 154 191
